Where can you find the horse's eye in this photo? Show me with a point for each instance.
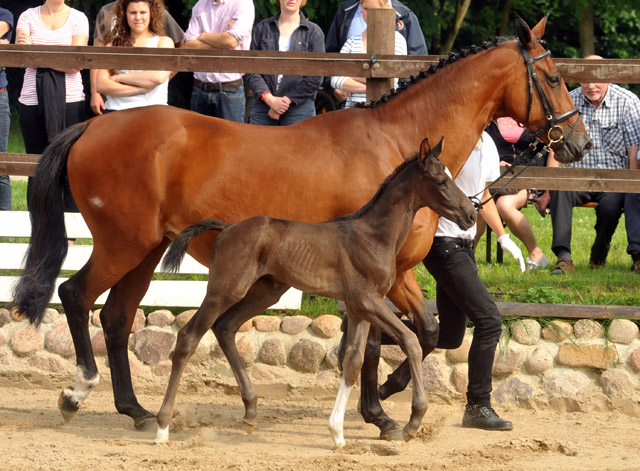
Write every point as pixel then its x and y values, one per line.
pixel 554 80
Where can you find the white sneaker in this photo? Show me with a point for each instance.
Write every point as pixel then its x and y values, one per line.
pixel 542 264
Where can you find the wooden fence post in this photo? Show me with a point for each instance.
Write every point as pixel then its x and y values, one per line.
pixel 381 28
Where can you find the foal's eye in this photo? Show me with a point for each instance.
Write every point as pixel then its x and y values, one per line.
pixel 441 183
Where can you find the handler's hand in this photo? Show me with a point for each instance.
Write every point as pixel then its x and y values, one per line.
pixel 512 249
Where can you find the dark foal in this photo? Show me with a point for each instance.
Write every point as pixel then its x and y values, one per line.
pixel 351 258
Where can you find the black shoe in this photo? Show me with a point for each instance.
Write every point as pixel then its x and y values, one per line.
pixel 484 417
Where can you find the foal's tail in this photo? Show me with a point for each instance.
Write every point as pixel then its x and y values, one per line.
pixel 175 254
pixel 48 245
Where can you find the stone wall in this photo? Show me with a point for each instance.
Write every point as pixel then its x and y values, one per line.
pixel 558 365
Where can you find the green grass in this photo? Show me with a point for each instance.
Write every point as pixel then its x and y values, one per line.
pixel 613 284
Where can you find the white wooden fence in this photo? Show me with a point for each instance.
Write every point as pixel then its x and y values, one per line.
pixel 161 293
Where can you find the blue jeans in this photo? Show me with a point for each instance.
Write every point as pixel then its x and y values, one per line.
pixel 295 114
pixel 5 124
pixel 632 221
pixel 220 104
pixel 461 296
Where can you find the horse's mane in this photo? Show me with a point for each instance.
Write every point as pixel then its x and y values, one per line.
pixel 381 189
pixel 442 62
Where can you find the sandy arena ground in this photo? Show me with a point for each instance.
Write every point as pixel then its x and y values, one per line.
pixel 292 435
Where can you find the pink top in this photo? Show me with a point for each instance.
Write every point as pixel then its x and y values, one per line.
pixel 510 129
pixel 214 16
pixel 77 24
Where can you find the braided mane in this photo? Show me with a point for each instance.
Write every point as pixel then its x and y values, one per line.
pixel 442 62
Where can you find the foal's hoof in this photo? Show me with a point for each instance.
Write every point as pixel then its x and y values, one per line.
pixel 249 425
pixel 145 423
pixel 67 408
pixel 392 434
pixel 407 434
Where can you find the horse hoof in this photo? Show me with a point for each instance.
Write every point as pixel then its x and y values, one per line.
pixel 249 425
pixel 67 408
pixel 145 423
pixel 392 435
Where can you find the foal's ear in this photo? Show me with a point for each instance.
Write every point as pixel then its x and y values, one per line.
pixel 437 150
pixel 425 150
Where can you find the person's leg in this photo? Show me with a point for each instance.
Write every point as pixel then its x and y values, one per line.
pixel 75 113
pixel 260 114
pixel 5 125
pixel 230 105
pixel 509 207
pixel 200 101
pixel 561 207
pixel 608 214
pixel 34 135
pixel 295 114
pixel 632 226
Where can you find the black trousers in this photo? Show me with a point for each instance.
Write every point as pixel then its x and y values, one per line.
pixel 608 214
pixel 462 296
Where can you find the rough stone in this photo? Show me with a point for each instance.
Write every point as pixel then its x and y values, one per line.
pixel 262 372
pixel 245 350
pixel 139 321
pixel 27 341
pixel 505 363
pixel 246 327
pixel 306 356
pixel 634 361
pixel 539 361
pixel 331 358
pixel 152 346
pixel 513 390
pixel 160 318
pixel 616 383
pixel 3 339
pixel 293 325
pixel 202 351
pixel 592 356
pixel 326 326
pixel 46 362
pixel 564 382
pixel 58 340
pixel 588 329
pixel 51 316
pixel 392 353
pixel 267 323
pixel 95 318
pixel 162 369
pixel 460 354
pixel 557 331
pixel 4 358
pixel 526 331
pixel 433 376
pixel 184 317
pixel 99 344
pixel 460 378
pixel 5 317
pixel 622 331
pixel 272 352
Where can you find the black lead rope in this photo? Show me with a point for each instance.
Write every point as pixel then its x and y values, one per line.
pixel 537 150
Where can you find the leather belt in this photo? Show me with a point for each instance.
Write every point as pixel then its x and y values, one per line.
pixel 219 86
pixel 455 240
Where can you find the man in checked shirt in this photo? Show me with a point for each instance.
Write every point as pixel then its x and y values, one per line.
pixel 611 115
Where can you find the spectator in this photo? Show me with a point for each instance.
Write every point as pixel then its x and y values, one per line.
pixel 348 22
pixel 632 221
pixel 511 140
pixel 460 293
pixel 356 87
pixel 611 115
pixel 6 27
pixel 285 99
pixel 139 23
pixel 220 25
pixel 51 99
pixel 105 22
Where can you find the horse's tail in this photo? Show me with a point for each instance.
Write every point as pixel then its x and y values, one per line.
pixel 175 254
pixel 48 245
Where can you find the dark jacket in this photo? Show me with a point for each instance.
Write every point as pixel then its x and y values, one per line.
pixel 406 23
pixel 308 37
pixel 509 151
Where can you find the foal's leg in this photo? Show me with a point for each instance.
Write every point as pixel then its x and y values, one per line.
pixel 264 293
pixel 351 365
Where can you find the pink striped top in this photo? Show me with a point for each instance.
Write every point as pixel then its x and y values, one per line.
pixel 77 24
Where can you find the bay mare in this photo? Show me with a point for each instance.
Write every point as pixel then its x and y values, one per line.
pixel 350 258
pixel 140 176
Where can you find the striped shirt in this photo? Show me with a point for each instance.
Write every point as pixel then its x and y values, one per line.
pixel 77 24
pixel 613 126
pixel 354 45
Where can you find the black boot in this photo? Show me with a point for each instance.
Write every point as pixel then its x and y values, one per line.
pixel 484 417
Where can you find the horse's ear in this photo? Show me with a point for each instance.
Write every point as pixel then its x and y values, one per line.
pixel 526 35
pixel 425 150
pixel 538 30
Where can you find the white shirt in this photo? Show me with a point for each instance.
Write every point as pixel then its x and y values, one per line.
pixel 482 167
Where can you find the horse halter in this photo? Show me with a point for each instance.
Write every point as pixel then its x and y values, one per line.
pixel 552 119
